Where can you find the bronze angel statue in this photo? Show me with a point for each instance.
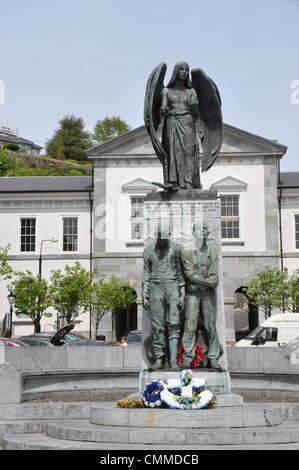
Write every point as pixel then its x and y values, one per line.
pixel 190 112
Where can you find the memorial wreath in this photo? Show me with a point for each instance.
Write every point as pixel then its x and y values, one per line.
pixel 185 393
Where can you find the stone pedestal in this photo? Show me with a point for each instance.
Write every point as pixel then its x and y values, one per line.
pixel 181 210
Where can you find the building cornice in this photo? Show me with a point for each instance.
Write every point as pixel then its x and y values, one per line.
pixel 43 203
pixel 142 160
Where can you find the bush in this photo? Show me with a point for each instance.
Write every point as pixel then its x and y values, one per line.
pixel 9 165
pixel 12 147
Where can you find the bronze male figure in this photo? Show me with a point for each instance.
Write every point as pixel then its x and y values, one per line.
pixel 200 268
pixel 163 292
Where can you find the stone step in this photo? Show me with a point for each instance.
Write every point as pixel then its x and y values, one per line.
pixel 22 427
pixel 48 410
pixel 106 414
pixel 82 430
pixel 42 442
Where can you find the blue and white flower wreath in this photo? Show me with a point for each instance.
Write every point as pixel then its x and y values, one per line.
pixel 185 393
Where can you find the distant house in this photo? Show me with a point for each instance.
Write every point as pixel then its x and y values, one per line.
pixel 9 136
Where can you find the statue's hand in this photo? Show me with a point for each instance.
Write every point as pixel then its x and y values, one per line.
pixel 181 302
pixel 146 303
pixel 213 280
pixel 164 111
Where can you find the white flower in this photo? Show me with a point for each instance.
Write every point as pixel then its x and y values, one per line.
pixel 152 405
pixel 158 403
pixel 173 383
pixel 205 397
pixel 199 382
pixel 187 391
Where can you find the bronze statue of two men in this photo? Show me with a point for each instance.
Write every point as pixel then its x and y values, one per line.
pixel 179 290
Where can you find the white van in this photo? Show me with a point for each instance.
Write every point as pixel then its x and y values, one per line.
pixel 278 330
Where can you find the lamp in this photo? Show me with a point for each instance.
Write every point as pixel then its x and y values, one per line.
pixel 11 300
pixel 51 240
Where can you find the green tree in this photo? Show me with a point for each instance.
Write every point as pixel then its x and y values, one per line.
pixel 109 296
pixel 70 140
pixel 71 291
pixel 292 304
pixel 9 165
pixel 32 297
pixel 108 128
pixel 268 289
pixel 6 271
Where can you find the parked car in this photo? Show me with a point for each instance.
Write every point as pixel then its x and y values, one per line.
pixel 134 336
pixel 278 330
pixel 61 338
pixel 293 344
pixel 12 342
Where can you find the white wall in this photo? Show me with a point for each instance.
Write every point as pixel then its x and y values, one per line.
pixel 48 225
pixel 252 205
pixel 290 207
pixel 118 216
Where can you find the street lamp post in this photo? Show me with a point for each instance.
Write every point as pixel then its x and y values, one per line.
pixel 51 240
pixel 11 301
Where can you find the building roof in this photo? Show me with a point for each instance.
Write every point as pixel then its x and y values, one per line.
pixel 289 179
pixel 13 139
pixel 235 142
pixel 44 184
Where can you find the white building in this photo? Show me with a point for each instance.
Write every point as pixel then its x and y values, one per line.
pixel 35 210
pixel 245 175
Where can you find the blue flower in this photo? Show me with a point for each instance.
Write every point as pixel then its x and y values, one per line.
pixel 152 394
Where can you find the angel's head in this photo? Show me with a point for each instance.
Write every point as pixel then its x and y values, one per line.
pixel 180 71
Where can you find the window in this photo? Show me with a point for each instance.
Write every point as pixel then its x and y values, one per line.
pixel 230 220
pixel 70 234
pixel 136 218
pixel 269 334
pixel 297 231
pixel 28 234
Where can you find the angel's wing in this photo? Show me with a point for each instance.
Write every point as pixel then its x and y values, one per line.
pixel 152 103
pixel 210 112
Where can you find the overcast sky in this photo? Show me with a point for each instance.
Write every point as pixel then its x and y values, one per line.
pixel 92 58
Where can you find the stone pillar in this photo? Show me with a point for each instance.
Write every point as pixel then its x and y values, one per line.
pixel 10 386
pixel 182 209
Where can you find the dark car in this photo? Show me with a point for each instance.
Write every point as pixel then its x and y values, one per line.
pixel 134 336
pixel 62 338
pixel 12 342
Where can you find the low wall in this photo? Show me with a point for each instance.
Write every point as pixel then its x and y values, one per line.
pixel 262 360
pixel 27 373
pixel 257 360
pixel 42 384
pixel 83 357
